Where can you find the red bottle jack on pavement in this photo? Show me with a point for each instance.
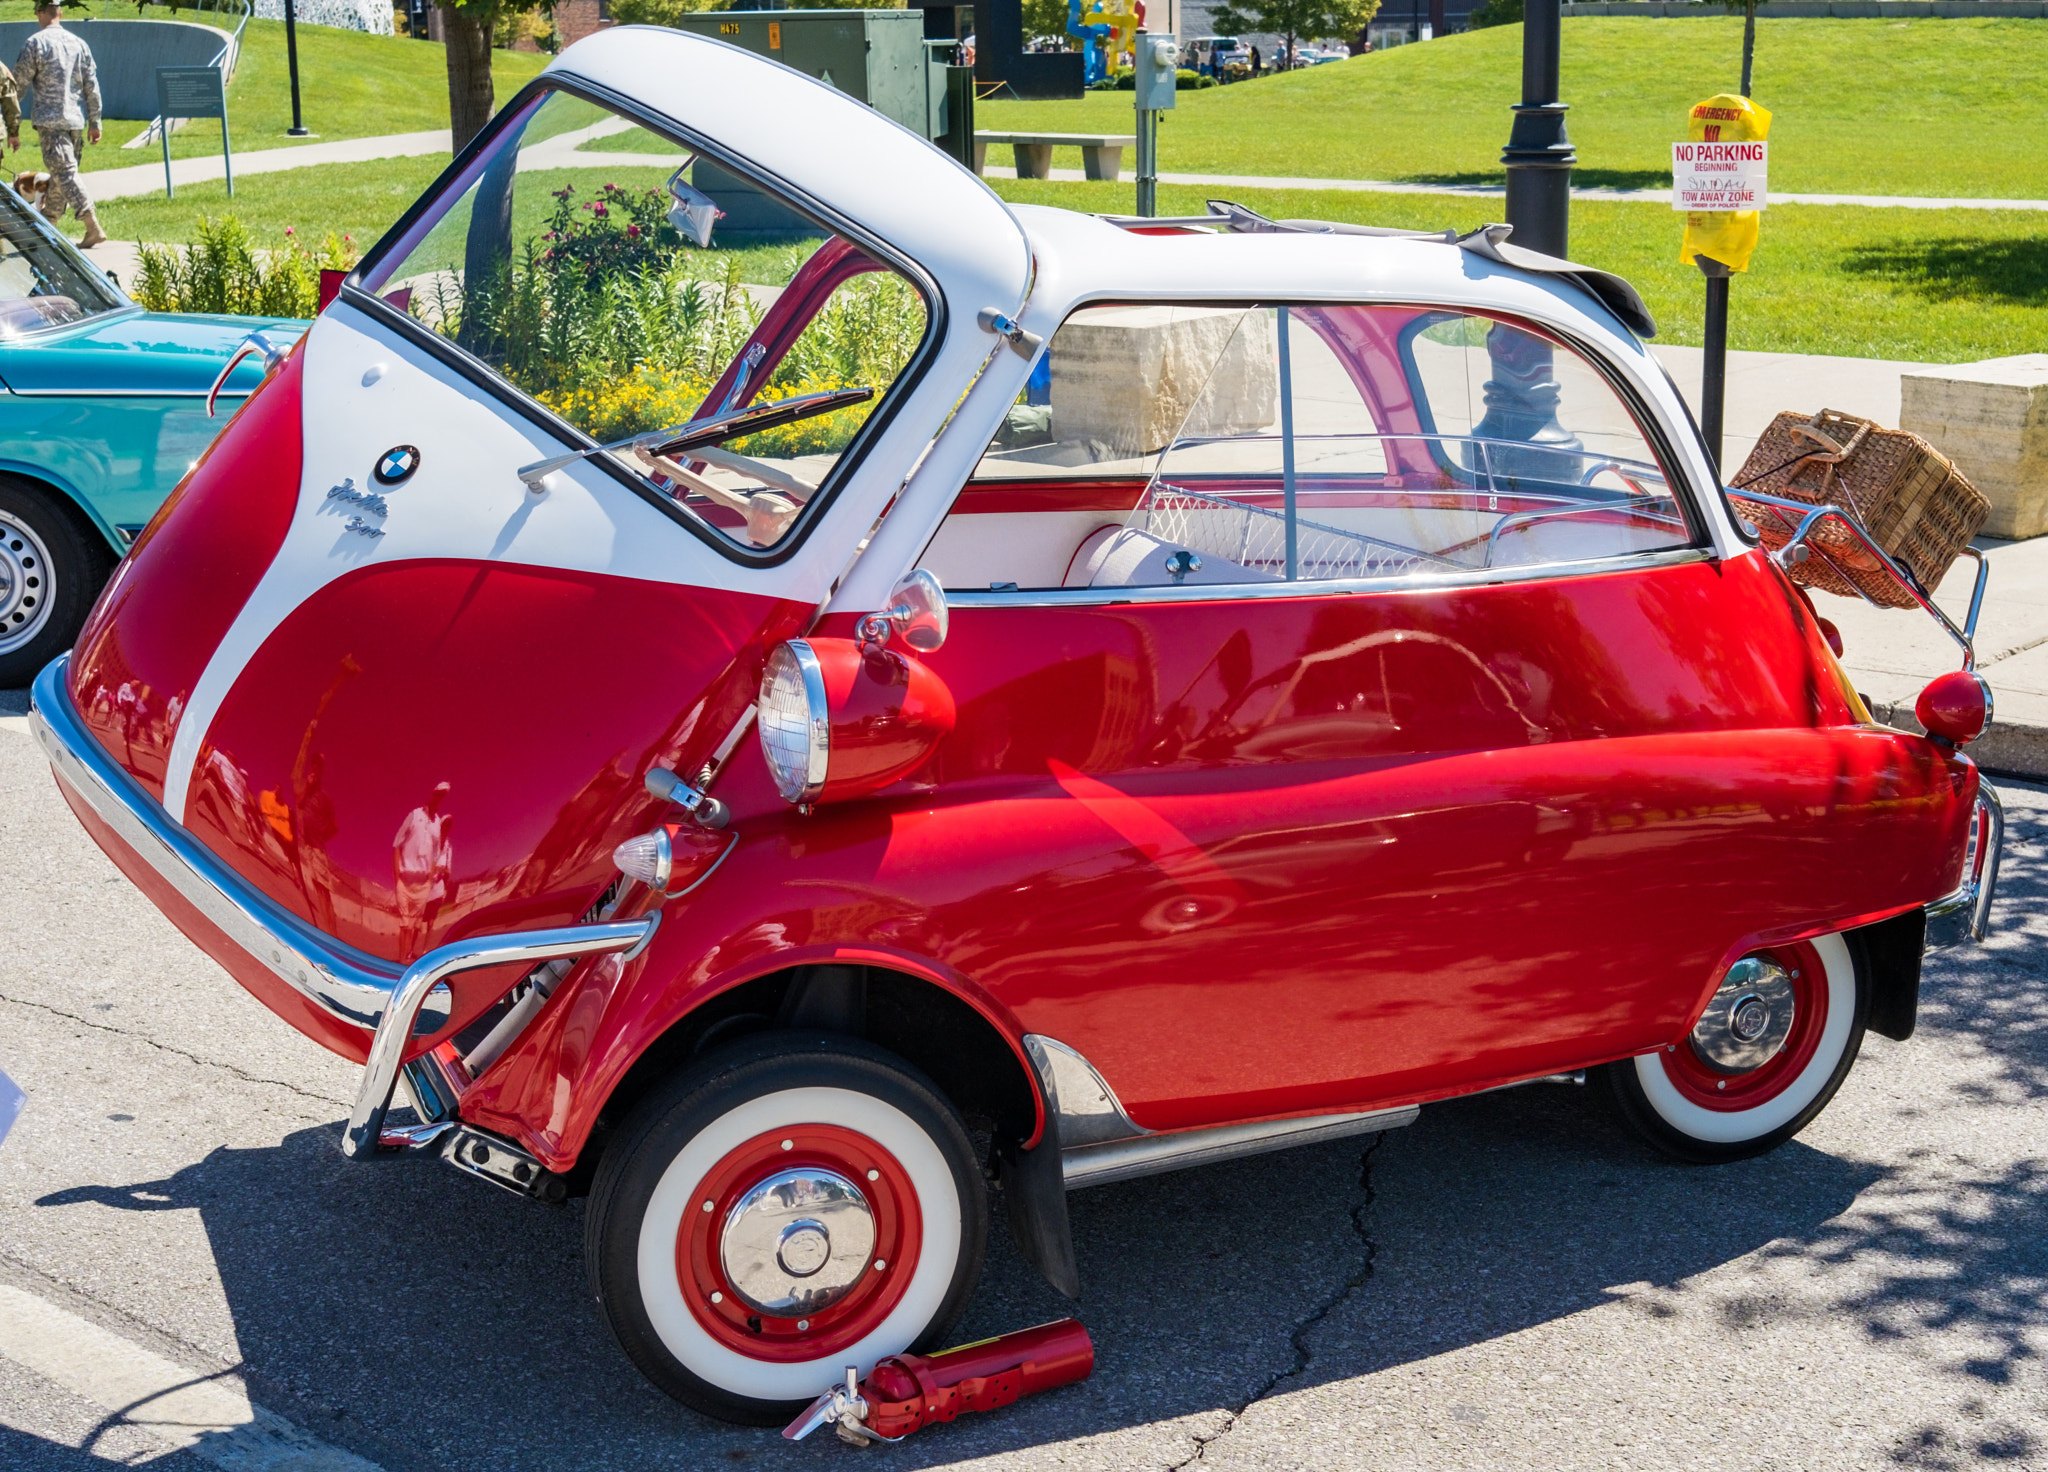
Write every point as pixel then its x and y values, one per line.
pixel 909 1391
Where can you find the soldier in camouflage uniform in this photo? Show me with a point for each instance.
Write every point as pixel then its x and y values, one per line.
pixel 57 69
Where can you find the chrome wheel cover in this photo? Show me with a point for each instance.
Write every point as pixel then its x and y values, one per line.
pixel 27 589
pixel 798 1242
pixel 1748 1019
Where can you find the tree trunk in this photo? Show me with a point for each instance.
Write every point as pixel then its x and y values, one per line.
pixel 468 30
pixel 1748 42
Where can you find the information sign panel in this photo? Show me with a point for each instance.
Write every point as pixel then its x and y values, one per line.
pixel 192 92
pixel 1719 176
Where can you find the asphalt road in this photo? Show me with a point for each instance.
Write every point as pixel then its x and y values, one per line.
pixel 1512 1282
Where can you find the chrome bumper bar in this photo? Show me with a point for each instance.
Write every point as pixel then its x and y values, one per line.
pixel 1965 912
pixel 352 985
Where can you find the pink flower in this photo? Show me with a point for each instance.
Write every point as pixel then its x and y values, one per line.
pixel 632 232
pixel 287 229
pixel 599 209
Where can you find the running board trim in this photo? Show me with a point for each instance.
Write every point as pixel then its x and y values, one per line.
pixel 1123 1160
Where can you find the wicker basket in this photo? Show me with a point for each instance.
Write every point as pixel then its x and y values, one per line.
pixel 1909 496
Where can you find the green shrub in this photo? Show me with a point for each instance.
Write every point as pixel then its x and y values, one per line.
pixel 1495 13
pixel 224 272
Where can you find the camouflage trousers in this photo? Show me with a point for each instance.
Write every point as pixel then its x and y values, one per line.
pixel 60 158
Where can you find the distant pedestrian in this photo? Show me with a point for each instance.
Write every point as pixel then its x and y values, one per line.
pixel 56 68
pixel 1255 61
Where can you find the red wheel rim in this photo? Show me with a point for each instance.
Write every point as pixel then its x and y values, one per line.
pixel 1732 1093
pixel 899 1233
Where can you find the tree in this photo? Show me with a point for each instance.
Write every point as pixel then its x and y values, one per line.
pixel 1748 37
pixel 1495 13
pixel 1044 18
pixel 466 28
pixel 1294 20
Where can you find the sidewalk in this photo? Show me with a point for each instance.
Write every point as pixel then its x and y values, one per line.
pixel 994 169
pixel 139 179
pixel 1892 653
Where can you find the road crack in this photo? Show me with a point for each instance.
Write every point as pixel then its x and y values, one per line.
pixel 1298 1336
pixel 122 1032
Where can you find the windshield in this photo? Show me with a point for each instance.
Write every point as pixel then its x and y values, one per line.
pixel 642 293
pixel 43 282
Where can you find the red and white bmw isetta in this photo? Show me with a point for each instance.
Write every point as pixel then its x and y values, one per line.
pixel 728 660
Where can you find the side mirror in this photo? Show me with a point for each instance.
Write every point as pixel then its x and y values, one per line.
pixel 917 611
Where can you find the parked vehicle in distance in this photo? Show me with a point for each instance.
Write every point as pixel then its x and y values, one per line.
pixel 725 787
pixel 104 411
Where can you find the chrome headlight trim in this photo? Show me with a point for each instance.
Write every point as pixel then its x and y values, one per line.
pixel 799 775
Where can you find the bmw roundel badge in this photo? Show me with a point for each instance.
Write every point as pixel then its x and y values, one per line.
pixel 396 465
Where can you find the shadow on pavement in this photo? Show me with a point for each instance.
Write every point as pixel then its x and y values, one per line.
pixel 454 1319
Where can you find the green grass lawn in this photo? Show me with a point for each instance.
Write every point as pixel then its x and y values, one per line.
pixel 1936 286
pixel 1951 108
pixel 351 86
pixel 1942 286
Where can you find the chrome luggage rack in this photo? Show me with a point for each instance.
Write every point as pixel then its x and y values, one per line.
pixel 1965 912
pixel 1805 518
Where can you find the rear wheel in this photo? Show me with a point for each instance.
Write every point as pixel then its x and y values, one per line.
pixel 794 1205
pixel 1775 1042
pixel 52 567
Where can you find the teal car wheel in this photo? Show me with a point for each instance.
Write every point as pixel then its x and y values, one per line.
pixel 51 569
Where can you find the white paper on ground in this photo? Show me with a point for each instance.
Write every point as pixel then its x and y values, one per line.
pixel 11 1100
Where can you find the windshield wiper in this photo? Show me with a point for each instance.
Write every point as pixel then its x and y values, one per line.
pixel 709 430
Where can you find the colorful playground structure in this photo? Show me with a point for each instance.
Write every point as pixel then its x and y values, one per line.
pixel 1103 21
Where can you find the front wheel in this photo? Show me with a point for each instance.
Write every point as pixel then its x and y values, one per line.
pixel 1775 1042
pixel 51 570
pixel 791 1206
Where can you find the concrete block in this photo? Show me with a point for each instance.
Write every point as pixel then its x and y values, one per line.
pixel 1991 418
pixel 1127 377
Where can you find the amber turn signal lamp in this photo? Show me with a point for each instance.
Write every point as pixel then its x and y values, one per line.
pixel 838 720
pixel 1955 707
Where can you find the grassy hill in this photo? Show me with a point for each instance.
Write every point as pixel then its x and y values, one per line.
pixel 1915 107
pixel 350 85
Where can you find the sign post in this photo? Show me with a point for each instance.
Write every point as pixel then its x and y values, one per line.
pixel 193 92
pixel 1719 180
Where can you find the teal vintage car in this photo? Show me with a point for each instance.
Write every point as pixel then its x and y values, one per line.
pixel 103 408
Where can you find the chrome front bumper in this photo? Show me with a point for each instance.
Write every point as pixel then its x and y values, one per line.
pixel 380 996
pixel 1965 912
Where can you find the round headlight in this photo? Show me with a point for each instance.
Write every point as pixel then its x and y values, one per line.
pixel 795 724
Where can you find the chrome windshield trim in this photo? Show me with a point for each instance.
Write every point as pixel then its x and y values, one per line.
pixel 339 979
pixel 1964 913
pixel 1414 582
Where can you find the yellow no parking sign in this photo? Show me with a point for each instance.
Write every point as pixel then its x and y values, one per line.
pixel 1718 178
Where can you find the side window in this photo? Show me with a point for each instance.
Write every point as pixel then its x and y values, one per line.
pixel 1314 443
pixel 648 297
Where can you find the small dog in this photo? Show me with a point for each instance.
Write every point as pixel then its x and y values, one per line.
pixel 32 187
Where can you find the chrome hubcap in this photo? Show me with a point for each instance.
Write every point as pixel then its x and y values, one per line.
pixel 1749 1018
pixel 798 1242
pixel 25 585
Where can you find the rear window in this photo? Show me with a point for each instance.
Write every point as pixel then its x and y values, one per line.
pixel 648 296
pixel 1166 445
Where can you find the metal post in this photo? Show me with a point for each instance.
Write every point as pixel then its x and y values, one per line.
pixel 298 129
pixel 1539 156
pixel 1287 444
pixel 1714 367
pixel 1148 162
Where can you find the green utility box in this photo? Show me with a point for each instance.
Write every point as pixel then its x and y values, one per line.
pixel 879 57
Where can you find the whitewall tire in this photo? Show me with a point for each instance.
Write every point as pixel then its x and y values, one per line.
pixel 1777 1039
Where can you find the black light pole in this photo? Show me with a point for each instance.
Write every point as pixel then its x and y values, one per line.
pixel 298 129
pixel 1523 394
pixel 1539 156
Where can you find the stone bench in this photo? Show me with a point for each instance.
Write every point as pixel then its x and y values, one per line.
pixel 1991 418
pixel 1102 154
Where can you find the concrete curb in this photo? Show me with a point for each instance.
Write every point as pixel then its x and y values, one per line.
pixel 2008 749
